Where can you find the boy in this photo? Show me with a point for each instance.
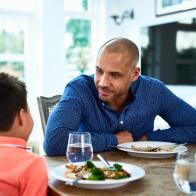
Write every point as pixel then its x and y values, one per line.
pixel 21 172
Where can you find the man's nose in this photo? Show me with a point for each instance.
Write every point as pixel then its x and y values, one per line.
pixel 104 80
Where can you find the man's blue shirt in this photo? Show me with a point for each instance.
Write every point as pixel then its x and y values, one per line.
pixel 80 109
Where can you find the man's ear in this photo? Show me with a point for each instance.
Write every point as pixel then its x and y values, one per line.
pixel 136 73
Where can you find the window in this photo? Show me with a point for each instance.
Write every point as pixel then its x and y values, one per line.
pixel 77 36
pixel 12 47
pixel 12 35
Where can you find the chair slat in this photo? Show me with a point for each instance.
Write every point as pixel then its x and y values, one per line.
pixel 45 106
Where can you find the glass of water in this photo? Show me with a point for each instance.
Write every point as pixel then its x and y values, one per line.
pixel 185 172
pixel 79 147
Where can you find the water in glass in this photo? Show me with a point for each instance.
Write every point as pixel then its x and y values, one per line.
pixel 185 172
pixel 79 147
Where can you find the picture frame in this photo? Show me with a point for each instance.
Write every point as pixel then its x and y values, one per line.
pixel 165 7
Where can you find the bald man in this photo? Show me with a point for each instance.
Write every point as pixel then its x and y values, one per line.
pixel 118 105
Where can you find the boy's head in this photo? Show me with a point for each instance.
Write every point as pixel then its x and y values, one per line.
pixel 15 117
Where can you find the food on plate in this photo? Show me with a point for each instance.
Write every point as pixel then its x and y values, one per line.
pixel 89 171
pixel 168 148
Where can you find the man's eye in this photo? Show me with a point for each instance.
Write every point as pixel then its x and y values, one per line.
pixel 98 71
pixel 115 75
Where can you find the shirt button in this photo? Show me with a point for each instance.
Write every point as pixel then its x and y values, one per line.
pixel 103 104
pixel 121 122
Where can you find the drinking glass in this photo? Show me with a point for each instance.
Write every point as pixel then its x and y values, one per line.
pixel 185 172
pixel 79 147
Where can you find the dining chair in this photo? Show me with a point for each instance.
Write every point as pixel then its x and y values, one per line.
pixel 45 106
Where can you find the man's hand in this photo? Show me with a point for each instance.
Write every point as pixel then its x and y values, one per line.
pixel 124 136
pixel 143 138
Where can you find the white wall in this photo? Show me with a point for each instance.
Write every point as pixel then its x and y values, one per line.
pixel 51 28
pixel 129 28
pixel 45 72
pixel 144 15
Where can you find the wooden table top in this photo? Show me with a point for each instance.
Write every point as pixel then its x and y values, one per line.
pixel 158 180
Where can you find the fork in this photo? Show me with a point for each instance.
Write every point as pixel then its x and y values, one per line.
pixel 74 182
pixel 105 162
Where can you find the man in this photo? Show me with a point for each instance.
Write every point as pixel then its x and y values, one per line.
pixel 118 105
pixel 21 172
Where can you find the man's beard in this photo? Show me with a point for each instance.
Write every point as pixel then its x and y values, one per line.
pixel 105 94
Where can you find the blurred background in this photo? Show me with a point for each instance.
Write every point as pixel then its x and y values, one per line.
pixel 47 43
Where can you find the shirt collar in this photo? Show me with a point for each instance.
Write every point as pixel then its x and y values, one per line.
pixel 13 141
pixel 134 85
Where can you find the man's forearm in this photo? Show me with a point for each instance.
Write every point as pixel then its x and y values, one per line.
pixel 102 141
pixel 175 134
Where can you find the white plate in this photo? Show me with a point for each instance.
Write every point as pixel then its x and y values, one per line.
pixel 160 154
pixel 135 172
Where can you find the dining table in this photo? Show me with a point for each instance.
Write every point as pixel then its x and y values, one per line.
pixel 157 181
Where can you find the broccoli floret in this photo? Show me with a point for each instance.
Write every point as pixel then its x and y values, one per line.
pixel 122 176
pixel 96 174
pixel 89 164
pixel 117 167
